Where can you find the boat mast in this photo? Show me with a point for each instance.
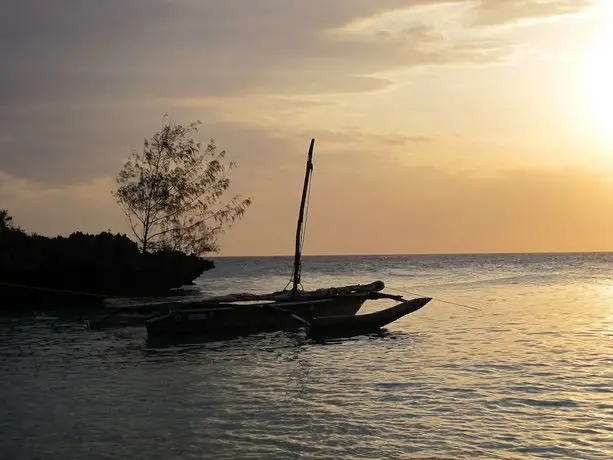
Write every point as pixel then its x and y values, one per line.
pixel 305 189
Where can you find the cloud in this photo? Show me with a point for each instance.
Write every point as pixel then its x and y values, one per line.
pixel 61 210
pixel 94 51
pixel 189 49
pixel 72 144
pixel 355 135
pixel 497 12
pixel 81 82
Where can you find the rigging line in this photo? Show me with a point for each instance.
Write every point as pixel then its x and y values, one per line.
pixel 435 298
pixel 303 233
pixel 91 294
pixel 45 289
pixel 306 212
pixel 304 226
pixel 306 220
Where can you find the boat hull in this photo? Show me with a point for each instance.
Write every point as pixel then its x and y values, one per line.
pixel 343 325
pixel 237 320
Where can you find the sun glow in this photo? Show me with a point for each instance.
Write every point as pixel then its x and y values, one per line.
pixel 597 70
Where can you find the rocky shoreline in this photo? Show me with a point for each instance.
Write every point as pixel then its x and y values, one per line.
pixel 85 268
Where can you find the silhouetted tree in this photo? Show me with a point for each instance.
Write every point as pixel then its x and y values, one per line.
pixel 172 192
pixel 6 221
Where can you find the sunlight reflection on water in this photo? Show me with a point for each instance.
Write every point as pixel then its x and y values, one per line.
pixel 529 375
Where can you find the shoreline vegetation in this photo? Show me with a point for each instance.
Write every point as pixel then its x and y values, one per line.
pixel 86 268
pixel 172 195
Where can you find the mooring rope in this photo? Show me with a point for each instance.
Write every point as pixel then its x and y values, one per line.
pixel 99 296
pixel 59 291
pixel 434 298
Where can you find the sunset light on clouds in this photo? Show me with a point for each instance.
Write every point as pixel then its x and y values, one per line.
pixel 440 126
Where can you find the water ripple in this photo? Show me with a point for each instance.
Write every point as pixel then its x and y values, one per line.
pixel 529 376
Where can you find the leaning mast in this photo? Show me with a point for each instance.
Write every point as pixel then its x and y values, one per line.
pixel 299 229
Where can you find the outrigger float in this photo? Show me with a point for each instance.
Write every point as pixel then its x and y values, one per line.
pixel 327 311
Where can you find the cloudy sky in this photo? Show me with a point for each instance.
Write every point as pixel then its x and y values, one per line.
pixel 440 126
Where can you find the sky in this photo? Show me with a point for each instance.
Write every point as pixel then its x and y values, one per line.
pixel 440 126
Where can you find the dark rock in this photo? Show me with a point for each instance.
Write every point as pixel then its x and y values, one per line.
pixel 91 267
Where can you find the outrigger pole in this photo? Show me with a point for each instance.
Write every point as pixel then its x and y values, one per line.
pixel 299 233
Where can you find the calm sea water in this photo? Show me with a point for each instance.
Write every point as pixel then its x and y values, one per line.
pixel 528 375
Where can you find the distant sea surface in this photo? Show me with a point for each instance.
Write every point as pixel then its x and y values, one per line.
pixel 529 374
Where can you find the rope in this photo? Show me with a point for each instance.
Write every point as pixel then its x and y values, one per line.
pixel 306 212
pixel 59 291
pixel 434 298
pixel 89 294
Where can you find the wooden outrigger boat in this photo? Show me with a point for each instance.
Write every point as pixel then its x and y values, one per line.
pixel 318 311
pixel 345 300
pixel 233 320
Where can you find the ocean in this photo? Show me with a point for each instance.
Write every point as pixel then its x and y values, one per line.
pixel 512 360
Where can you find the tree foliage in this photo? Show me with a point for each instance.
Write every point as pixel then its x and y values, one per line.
pixel 172 193
pixel 6 222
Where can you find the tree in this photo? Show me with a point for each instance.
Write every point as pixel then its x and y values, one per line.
pixel 5 219
pixel 172 192
pixel 6 222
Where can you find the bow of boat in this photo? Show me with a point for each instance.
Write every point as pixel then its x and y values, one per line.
pixel 369 321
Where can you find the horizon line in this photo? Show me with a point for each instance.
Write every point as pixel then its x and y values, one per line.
pixel 608 251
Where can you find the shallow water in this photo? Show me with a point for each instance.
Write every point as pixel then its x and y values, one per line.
pixel 528 375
